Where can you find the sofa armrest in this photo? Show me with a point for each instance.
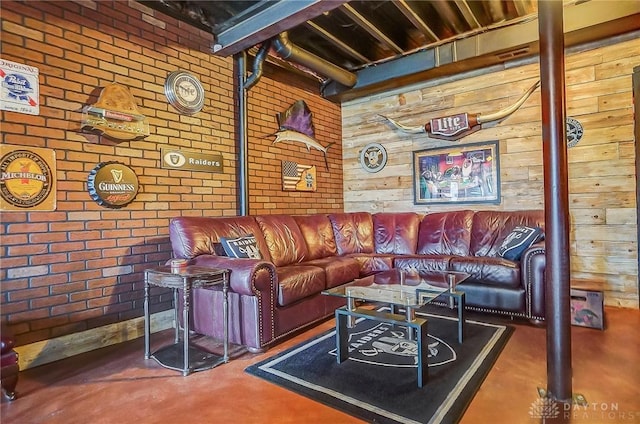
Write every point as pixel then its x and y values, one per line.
pixel 533 264
pixel 247 276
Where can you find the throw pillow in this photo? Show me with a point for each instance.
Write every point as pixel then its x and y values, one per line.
pixel 219 249
pixel 518 240
pixel 241 247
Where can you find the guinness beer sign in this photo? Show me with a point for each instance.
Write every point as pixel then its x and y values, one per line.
pixel 112 184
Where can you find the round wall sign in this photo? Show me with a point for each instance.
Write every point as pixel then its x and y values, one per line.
pixel 112 184
pixel 574 131
pixel 26 179
pixel 373 157
pixel 184 92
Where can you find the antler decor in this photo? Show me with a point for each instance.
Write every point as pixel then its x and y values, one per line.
pixel 454 127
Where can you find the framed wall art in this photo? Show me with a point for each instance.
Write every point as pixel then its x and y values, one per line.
pixel 457 174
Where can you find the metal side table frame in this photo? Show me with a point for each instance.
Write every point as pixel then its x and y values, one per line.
pixel 184 357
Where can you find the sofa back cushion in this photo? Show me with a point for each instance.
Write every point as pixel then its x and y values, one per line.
pixel 353 232
pixel 396 233
pixel 284 240
pixel 318 234
pixel 490 228
pixel 193 236
pixel 445 233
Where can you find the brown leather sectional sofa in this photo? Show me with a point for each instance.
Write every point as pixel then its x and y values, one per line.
pixel 301 255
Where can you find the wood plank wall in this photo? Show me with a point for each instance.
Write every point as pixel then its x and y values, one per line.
pixel 602 180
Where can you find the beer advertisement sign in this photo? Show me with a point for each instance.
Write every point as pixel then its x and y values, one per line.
pixel 112 184
pixel 19 88
pixel 27 178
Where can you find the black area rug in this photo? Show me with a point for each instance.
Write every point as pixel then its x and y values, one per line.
pixel 378 383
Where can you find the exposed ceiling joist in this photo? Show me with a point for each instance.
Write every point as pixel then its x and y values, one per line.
pixel 337 41
pixel 376 45
pixel 373 30
pixel 415 19
pixel 584 22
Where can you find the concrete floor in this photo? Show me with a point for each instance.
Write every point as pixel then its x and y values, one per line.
pixel 117 385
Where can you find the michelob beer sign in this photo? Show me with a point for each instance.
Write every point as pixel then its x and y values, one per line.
pixel 27 178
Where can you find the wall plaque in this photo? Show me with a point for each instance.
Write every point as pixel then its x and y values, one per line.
pixel 574 131
pixel 373 157
pixel 115 115
pixel 20 88
pixel 27 178
pixel 112 184
pixel 298 177
pixel 190 161
pixel 184 92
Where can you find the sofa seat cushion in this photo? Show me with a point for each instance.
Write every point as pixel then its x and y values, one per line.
pixel 337 269
pixel 423 262
pixel 295 282
pixel 372 263
pixel 490 271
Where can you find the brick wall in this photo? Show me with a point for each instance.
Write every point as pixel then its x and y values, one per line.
pixel 81 266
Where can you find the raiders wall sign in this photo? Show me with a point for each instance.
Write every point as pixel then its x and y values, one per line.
pixel 112 184
pixel 373 157
pixel 190 161
pixel 27 178
pixel 574 131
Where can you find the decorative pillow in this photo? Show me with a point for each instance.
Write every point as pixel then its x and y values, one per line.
pixel 219 249
pixel 518 240
pixel 241 247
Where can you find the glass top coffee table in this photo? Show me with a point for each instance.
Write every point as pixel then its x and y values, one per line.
pixel 400 289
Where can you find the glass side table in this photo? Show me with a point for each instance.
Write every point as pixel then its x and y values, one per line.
pixel 185 357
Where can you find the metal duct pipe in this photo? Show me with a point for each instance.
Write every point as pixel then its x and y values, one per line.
pixel 244 84
pixel 258 65
pixel 287 50
pixel 242 138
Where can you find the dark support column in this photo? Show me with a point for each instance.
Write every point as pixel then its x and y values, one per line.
pixel 556 195
pixel 636 132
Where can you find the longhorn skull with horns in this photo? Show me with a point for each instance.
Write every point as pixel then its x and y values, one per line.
pixel 457 126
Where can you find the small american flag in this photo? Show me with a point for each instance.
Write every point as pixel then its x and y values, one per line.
pixel 297 177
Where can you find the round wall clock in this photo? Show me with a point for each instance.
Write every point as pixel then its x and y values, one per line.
pixel 373 157
pixel 184 92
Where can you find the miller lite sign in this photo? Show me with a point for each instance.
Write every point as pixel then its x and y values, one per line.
pixel 449 126
pixel 455 127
